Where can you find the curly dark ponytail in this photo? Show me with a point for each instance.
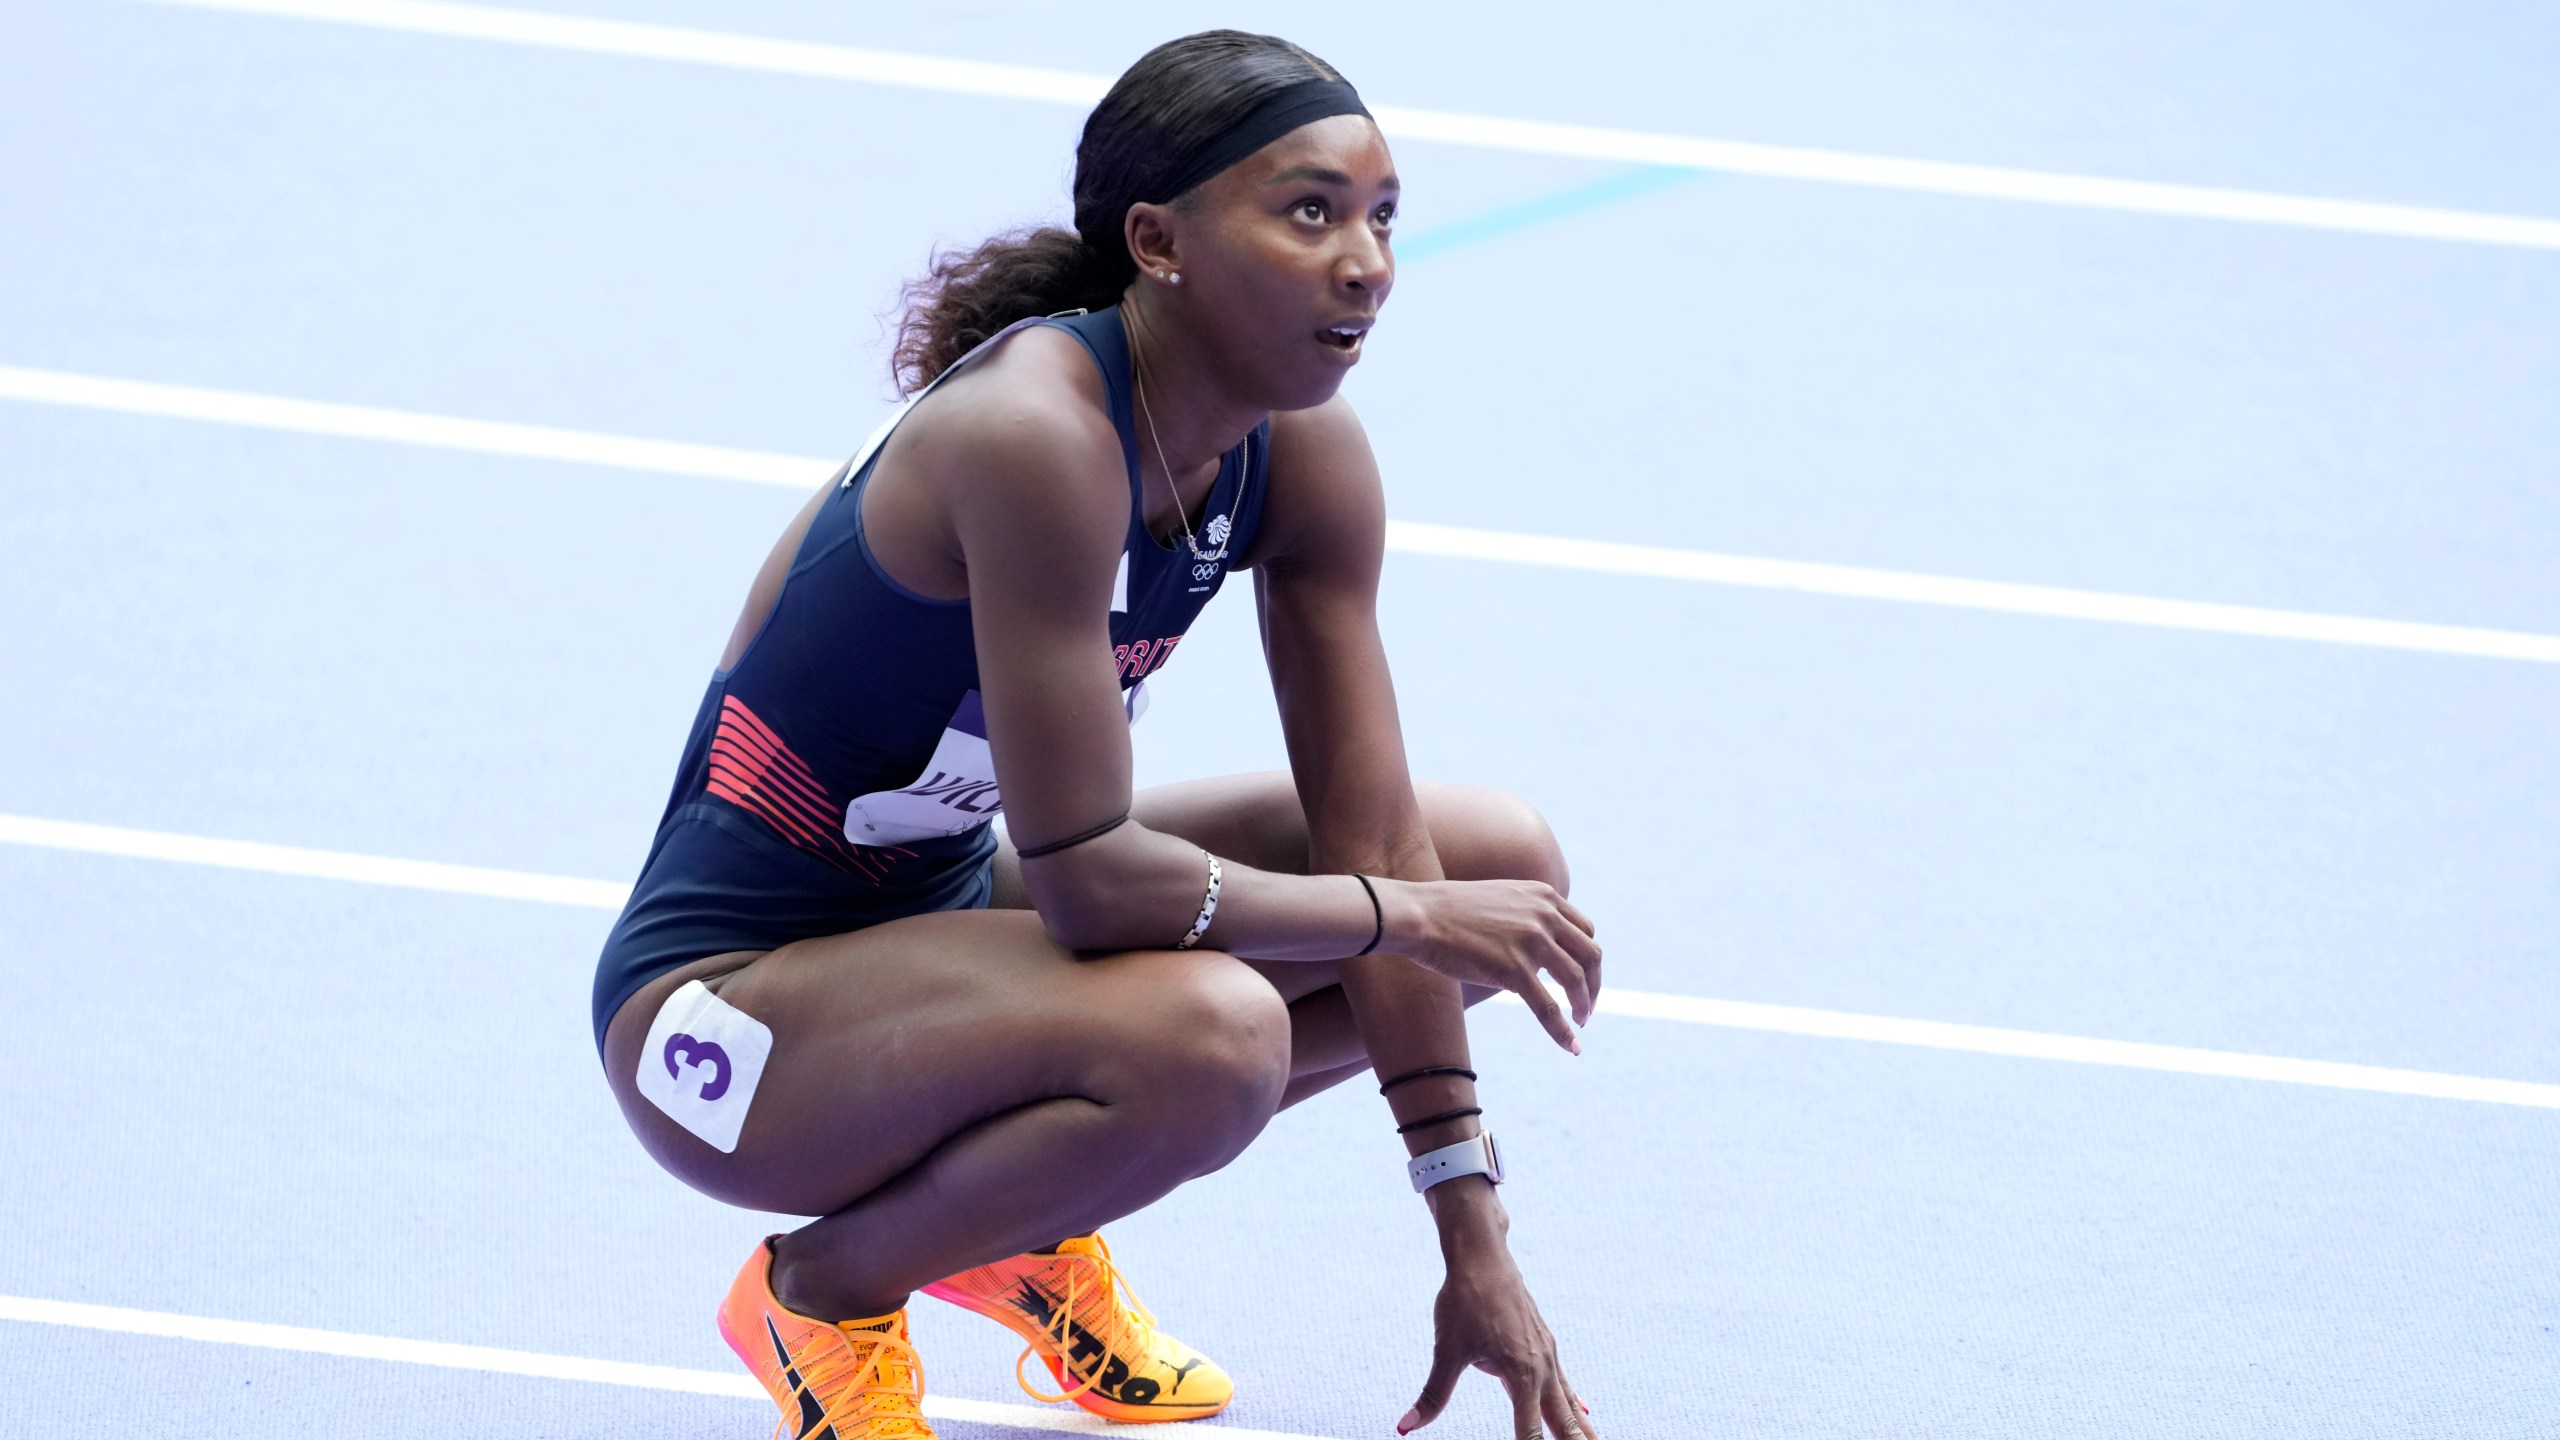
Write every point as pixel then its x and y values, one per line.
pixel 1180 96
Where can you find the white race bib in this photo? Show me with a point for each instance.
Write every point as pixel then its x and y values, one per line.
pixel 957 791
pixel 702 1062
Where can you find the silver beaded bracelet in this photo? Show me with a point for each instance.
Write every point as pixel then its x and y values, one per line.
pixel 1208 905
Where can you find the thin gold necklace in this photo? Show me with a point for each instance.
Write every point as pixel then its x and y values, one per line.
pixel 1222 529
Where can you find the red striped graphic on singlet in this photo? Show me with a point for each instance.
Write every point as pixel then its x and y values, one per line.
pixel 754 770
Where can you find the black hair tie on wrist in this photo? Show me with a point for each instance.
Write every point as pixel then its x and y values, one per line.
pixel 1436 1119
pixel 1376 909
pixel 1096 833
pixel 1426 1070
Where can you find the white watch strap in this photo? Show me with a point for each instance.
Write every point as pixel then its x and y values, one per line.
pixel 1476 1156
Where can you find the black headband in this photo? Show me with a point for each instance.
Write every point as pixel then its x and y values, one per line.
pixel 1278 113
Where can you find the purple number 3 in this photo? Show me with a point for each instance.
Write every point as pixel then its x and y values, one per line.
pixel 700 1052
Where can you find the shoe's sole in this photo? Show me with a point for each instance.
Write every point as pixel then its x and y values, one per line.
pixel 1102 1405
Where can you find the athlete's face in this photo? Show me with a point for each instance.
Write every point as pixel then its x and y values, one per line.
pixel 1285 254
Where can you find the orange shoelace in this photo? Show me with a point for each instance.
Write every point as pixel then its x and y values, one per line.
pixel 1127 1328
pixel 871 1383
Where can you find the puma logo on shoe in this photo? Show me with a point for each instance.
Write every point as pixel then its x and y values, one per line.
pixel 813 1414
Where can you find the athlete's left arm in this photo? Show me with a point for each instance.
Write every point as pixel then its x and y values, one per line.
pixel 1316 570
pixel 1316 580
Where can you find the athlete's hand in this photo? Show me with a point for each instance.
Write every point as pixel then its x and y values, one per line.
pixel 1486 1319
pixel 1500 934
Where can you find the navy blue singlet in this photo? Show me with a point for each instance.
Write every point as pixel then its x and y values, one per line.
pixel 838 775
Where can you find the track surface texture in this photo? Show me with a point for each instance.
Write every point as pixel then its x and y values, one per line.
pixel 359 1107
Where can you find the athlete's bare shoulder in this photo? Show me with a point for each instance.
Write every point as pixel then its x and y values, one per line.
pixel 1031 409
pixel 1326 504
pixel 1018 446
pixel 1321 434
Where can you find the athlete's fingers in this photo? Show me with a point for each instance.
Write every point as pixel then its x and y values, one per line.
pixel 1558 1412
pixel 1574 913
pixel 1577 987
pixel 1542 1003
pixel 1569 938
pixel 1591 972
pixel 1446 1366
pixel 1583 953
pixel 1588 954
pixel 1527 1393
pixel 1566 1416
pixel 1578 942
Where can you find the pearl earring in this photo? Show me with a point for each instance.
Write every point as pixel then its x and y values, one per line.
pixel 1175 277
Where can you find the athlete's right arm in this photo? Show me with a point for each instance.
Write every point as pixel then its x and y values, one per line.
pixel 1038 505
pixel 1037 501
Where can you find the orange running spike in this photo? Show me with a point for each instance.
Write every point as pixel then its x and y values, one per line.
pixel 1101 1345
pixel 859 1380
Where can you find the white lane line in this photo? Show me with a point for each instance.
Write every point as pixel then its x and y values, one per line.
pixel 2051 602
pixel 408 427
pixel 762 467
pixel 1020 82
pixel 2073 1049
pixel 1640 1004
pixel 489 1360
pixel 42 834
pixel 1409 536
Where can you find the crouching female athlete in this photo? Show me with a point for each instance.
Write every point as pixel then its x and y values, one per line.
pixel 838 992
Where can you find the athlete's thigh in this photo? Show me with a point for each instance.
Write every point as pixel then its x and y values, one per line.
pixel 889 1040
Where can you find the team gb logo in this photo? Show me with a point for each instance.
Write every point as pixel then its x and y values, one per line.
pixel 1216 534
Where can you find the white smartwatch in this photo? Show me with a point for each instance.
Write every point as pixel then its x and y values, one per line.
pixel 1475 1156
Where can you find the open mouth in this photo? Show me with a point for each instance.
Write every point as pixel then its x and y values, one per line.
pixel 1345 338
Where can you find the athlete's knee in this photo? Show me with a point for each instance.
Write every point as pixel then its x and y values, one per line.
pixel 1234 1034
pixel 1505 838
pixel 1216 1055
